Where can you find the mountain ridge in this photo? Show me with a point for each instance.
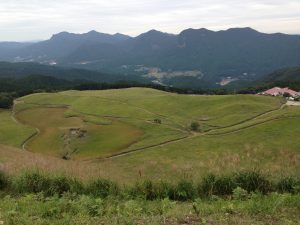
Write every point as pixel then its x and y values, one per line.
pixel 232 54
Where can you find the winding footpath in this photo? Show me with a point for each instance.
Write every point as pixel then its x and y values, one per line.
pixel 187 135
pixel 193 134
pixel 13 117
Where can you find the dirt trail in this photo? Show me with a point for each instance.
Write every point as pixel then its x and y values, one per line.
pixel 13 117
pixel 30 138
pixel 205 133
pixel 142 149
pixel 190 135
pixel 251 118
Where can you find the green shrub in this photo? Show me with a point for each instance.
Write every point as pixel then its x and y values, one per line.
pixel 224 185
pixel 207 184
pixel 195 126
pixel 253 181
pixel 158 121
pixel 165 205
pixel 149 191
pixel 185 190
pixel 287 185
pixel 213 185
pixel 3 180
pixel 166 190
pixel 32 182
pixel 36 182
pixel 102 188
pixel 6 100
pixel 61 184
pixel 92 206
pixel 146 190
pixel 239 194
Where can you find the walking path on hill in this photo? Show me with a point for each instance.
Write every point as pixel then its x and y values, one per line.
pixel 13 117
pixel 202 134
pixel 184 130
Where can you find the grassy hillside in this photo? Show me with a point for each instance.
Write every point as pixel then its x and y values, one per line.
pixel 12 132
pixel 116 134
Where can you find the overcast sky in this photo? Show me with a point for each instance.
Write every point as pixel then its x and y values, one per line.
pixel 24 20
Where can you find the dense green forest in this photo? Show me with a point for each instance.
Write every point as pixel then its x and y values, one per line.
pixel 288 77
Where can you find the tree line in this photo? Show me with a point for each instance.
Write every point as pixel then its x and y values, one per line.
pixel 12 88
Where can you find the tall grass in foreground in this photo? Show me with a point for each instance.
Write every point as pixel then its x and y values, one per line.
pixel 232 185
pixel 279 209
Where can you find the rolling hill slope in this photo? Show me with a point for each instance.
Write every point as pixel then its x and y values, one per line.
pixel 117 133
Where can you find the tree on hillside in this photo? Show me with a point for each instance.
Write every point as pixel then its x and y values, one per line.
pixel 195 126
pixel 6 101
pixel 158 121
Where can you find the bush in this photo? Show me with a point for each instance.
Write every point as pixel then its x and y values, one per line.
pixel 36 182
pixel 166 190
pixel 61 184
pixel 102 188
pixel 195 126
pixel 240 194
pixel 206 187
pixel 146 190
pixel 185 190
pixel 253 181
pixel 32 182
pixel 6 101
pixel 212 185
pixel 3 180
pixel 224 185
pixel 288 184
pixel 149 191
pixel 158 121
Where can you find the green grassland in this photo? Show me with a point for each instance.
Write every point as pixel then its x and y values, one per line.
pixel 53 136
pixel 142 140
pixel 12 132
pixel 36 209
pixel 123 142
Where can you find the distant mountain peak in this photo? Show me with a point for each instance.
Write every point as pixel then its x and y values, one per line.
pixel 61 35
pixel 121 36
pixel 93 36
pixel 200 30
pixel 154 34
pixel 93 32
pixel 154 31
pixel 242 29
